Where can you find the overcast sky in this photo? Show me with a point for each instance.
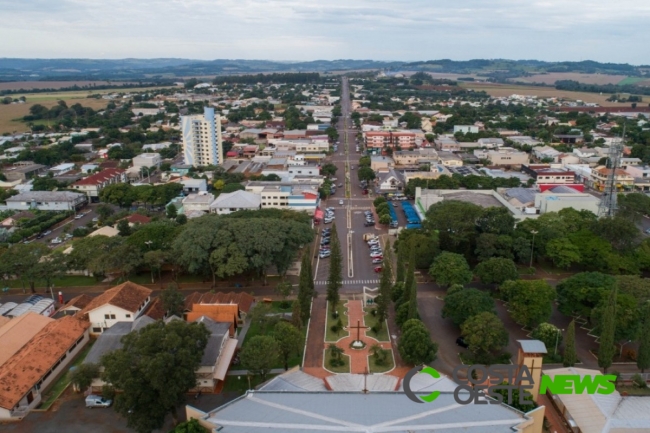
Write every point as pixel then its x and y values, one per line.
pixel 603 30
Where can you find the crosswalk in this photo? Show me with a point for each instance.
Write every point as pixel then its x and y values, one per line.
pixel 348 282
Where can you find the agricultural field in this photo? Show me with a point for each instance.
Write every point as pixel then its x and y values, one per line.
pixel 28 85
pixel 550 78
pixel 542 92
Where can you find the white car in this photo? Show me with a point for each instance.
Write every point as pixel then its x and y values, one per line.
pixel 78 217
pixel 56 241
pixel 341 202
pixel 375 255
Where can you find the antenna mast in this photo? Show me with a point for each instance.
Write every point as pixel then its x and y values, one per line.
pixel 608 203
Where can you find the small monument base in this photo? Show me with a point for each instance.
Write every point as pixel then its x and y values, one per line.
pixel 357 344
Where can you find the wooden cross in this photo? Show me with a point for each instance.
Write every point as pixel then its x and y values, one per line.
pixel 358 328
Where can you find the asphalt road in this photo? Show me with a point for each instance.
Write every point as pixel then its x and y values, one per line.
pixel 358 270
pixel 59 230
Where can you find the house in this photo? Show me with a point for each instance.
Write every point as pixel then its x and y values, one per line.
pixel 193 186
pixel 381 163
pixel 147 160
pixel 23 171
pixel 236 201
pixel 74 305
pixel 546 154
pixel 58 170
pixel 123 303
pixel 524 140
pixel 14 220
pixel 29 372
pixel 448 159
pixel 111 340
pixel 218 305
pixel 95 183
pixel 390 181
pixel 194 204
pixel 505 156
pixel 404 157
pixel 446 144
pixel 217 355
pixel 299 195
pixel 46 200
pixel 623 180
pixel 546 177
pixel 136 218
pixel 490 143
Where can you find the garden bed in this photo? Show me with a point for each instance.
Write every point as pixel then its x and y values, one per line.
pixel 371 321
pixel 345 368
pixel 387 366
pixel 331 336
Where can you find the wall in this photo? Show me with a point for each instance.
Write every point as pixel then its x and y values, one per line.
pixel 97 320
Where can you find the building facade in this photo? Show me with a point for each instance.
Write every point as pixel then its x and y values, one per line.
pixel 47 200
pixel 202 141
pixel 93 184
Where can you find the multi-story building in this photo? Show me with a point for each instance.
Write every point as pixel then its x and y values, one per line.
pixel 287 195
pixel 202 142
pixel 381 139
pixel 93 184
pixel 622 178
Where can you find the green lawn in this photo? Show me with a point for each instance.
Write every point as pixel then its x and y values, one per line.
pixel 371 321
pixel 345 368
pixel 254 330
pixel 374 368
pixel 240 386
pixel 57 388
pixel 633 390
pixel 329 335
pixel 630 80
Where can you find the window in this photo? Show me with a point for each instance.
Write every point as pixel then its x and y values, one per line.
pixel 128 316
pixel 113 316
pixel 106 316
pixel 97 330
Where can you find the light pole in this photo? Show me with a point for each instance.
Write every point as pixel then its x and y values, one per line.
pixel 557 338
pixel 620 355
pixel 532 248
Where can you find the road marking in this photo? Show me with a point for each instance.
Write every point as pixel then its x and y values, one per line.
pixel 347 282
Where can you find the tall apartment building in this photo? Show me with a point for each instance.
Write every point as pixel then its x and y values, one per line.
pixel 202 143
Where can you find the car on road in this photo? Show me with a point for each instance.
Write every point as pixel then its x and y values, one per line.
pixel 341 202
pixel 56 241
pixel 377 261
pixel 364 192
pixel 340 185
pixel 460 341
pixel 47 232
pixel 79 216
pixel 97 401
pixel 368 223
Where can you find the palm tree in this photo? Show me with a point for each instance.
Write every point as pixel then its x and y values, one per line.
pixel 378 353
pixel 335 351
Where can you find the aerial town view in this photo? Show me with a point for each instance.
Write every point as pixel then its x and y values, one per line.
pixel 243 217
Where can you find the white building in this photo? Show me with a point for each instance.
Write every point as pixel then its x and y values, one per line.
pixel 202 142
pixel 147 160
pixel 196 203
pixel 46 200
pixel 236 201
pixel 466 129
pixel 123 303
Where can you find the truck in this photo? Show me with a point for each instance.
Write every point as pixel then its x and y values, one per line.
pixel 97 401
pixel 369 236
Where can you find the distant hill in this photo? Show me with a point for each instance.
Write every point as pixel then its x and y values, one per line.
pixel 497 70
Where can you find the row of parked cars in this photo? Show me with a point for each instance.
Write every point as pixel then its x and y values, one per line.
pixel 324 251
pixel 329 215
pixel 376 253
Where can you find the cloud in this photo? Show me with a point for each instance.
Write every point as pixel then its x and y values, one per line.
pixel 300 30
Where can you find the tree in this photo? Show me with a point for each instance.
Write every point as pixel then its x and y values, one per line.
pixel 496 270
pixel 82 376
pixel 529 300
pixel 261 316
pixel 154 370
pixel 181 219
pixel 123 227
pixel 173 300
pixel 489 245
pixel 23 261
pixel 171 211
pixel 450 268
pixel 51 266
pixel 400 271
pixel 416 347
pixel 335 278
pixel 190 426
pixel 366 173
pixel 104 211
pixel 548 334
pixel 284 290
pixel 570 354
pixel 290 341
pixel 580 293
pixel 463 304
pixel 155 260
pixel 562 252
pixel 643 357
pixel 484 333
pixel 328 169
pixel 296 314
pixel 606 349
pixel 304 287
pixel 260 354
pixel 455 222
pixel 385 285
pixel 496 220
pixel 232 187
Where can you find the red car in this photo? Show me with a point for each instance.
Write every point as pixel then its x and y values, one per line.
pixel 364 192
pixel 378 269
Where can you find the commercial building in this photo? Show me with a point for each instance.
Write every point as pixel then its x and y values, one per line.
pixel 466 129
pixel 506 156
pixel 297 196
pixel 622 179
pixel 202 142
pixel 23 171
pixel 236 201
pixel 95 183
pixel 196 204
pixel 46 200
pixel 147 160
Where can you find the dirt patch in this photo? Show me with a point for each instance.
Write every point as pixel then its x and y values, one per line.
pixel 552 77
pixel 10 113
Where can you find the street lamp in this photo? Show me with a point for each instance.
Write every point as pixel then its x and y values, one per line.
pixel 620 355
pixel 557 338
pixel 532 248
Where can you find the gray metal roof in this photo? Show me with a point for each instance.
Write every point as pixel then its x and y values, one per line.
pixel 524 195
pixel 238 199
pixel 264 411
pixel 295 381
pixel 218 332
pixel 111 339
pixel 532 346
pixel 46 196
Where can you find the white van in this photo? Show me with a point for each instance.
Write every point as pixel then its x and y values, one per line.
pixel 97 401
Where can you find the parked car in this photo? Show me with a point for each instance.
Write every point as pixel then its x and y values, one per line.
pixel 325 242
pixel 373 242
pixel 377 261
pixel 68 236
pixel 364 192
pixel 368 223
pixel 377 269
pixel 56 241
pixel 341 202
pixel 97 401
pixel 460 341
pixel 40 236
pixel 79 216
pixel 95 219
pixel 327 221
pixel 47 232
pixel 376 255
pixel 340 185
pixel 324 254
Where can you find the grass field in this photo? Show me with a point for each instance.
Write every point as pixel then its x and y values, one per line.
pixel 29 85
pixel 542 92
pixel 632 80
pixel 552 77
pixel 329 335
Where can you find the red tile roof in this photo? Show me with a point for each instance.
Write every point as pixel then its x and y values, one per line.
pixel 243 300
pixel 101 177
pixel 137 218
pixel 155 310
pixel 127 296
pixel 79 301
pixel 26 368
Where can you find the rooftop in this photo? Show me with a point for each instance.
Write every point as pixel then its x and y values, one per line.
pixel 128 296
pixel 46 196
pixel 243 300
pixel 237 199
pixel 28 365
pixel 110 339
pixel 100 177
pixel 18 331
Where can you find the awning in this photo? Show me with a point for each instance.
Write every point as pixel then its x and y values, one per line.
pixel 224 360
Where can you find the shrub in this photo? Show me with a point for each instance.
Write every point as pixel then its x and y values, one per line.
pixel 639 381
pixel 630 354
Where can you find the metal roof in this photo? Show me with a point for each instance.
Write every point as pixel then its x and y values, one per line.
pixel 532 346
